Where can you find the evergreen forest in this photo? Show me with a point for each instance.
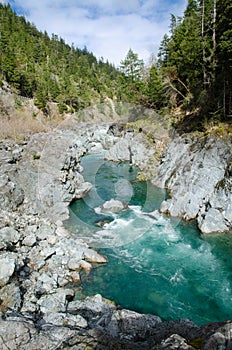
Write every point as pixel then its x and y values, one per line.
pixel 192 72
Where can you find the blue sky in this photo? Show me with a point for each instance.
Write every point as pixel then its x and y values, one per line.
pixel 109 28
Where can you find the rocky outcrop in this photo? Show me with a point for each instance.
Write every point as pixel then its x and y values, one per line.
pixel 98 324
pixel 49 173
pixel 133 147
pixel 197 173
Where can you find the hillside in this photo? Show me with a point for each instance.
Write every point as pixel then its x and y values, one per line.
pixel 47 69
pixel 189 83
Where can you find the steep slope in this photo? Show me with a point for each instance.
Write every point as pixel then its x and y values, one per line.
pixel 47 69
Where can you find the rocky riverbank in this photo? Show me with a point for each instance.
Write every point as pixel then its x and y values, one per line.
pixel 195 169
pixel 40 260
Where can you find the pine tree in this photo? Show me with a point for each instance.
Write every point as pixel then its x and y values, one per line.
pixel 132 80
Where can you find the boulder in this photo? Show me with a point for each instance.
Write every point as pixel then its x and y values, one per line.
pixel 49 173
pixel 55 302
pixel 133 148
pixel 10 235
pixel 10 297
pixel 14 335
pixel 112 206
pixel 7 267
pixel 213 221
pixel 131 325
pixel 220 338
pixel 96 310
pixel 93 257
pixel 175 342
pixel 86 266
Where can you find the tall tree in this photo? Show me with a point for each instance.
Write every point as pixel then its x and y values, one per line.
pixel 132 66
pixel 132 79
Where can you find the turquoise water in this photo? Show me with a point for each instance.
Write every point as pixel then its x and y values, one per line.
pixel 156 264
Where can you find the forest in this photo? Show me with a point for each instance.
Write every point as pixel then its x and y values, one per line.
pixel 192 71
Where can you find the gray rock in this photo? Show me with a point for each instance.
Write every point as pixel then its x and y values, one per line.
pixel 51 337
pixel 10 235
pixel 196 173
pixel 64 319
pixel 47 283
pixel 220 339
pixel 216 341
pixel 131 325
pixel 10 297
pixel 112 206
pixel 74 264
pixel 213 221
pixel 52 181
pixel 175 342
pixel 94 257
pixel 55 302
pixel 29 240
pixel 7 267
pixel 14 335
pixel 132 147
pixel 96 310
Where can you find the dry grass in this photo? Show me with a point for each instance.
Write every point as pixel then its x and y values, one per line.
pixel 21 124
pixel 19 127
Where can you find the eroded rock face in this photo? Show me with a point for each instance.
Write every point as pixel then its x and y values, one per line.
pixel 197 173
pixel 131 147
pixel 50 173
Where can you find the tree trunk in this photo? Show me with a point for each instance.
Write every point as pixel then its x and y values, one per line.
pixel 214 36
pixel 203 43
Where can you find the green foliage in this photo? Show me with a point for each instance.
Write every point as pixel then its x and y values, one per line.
pixel 196 59
pixel 131 81
pixel 36 156
pixel 193 72
pixel 155 91
pixel 47 69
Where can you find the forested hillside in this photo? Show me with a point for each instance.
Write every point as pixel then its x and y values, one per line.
pixel 48 69
pixel 192 73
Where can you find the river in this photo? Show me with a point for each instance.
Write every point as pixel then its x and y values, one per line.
pixel 156 265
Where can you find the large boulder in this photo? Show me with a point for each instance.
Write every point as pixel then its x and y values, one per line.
pixel 131 325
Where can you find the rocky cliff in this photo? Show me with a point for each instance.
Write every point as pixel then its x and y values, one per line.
pixel 197 172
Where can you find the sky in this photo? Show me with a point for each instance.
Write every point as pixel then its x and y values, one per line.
pixel 108 28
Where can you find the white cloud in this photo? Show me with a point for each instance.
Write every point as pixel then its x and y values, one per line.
pixel 107 27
